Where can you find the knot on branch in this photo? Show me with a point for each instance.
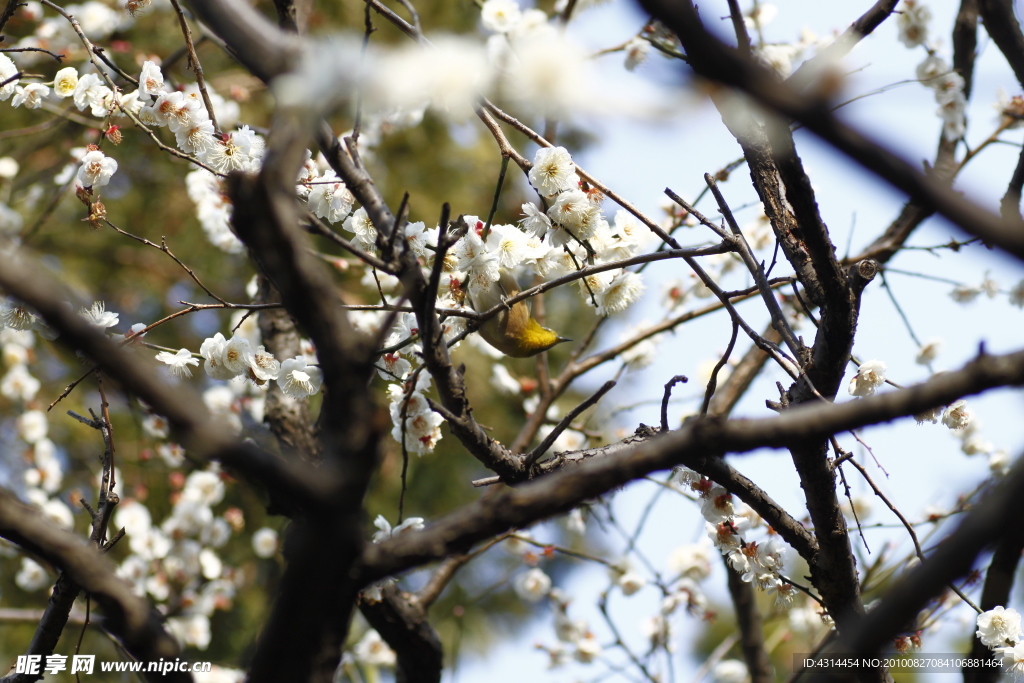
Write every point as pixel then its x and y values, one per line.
pixel 861 273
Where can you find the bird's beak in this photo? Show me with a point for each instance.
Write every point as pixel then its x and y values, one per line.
pixel 564 339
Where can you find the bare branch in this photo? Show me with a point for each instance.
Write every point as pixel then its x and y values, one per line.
pixel 587 475
pixel 135 623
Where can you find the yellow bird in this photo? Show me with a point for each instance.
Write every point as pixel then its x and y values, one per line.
pixel 513 331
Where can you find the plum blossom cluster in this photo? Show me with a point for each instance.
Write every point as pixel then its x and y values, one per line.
pixel 226 359
pixel 17 340
pixel 558 235
pixel 549 243
pixel 43 465
pixel 956 416
pixel 527 61
pixel 934 72
pixel 966 294
pixel 385 531
pixel 688 565
pixel 43 479
pixel 415 425
pixel 760 563
pixel 572 231
pixel 97 20
pixel 999 629
pixel 575 639
pixel 516 62
pixel 178 562
pixel 183 112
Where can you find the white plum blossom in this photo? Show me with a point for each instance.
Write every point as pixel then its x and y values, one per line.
pixel 96 169
pixel 8 168
pixel 952 109
pixel 626 577
pixel 637 50
pixel 532 585
pixel 975 444
pixel 385 531
pixel 574 211
pixel 204 487
pixel 251 144
pixel 329 198
pixel 91 92
pixel 7 71
pixel 964 294
pixel 97 20
pixel 371 650
pixel 553 76
pixel 623 290
pixel 931 69
pixel 587 649
pixel 503 381
pixel 913 23
pixel 264 542
pixel 237 355
pixel 451 76
pixel 31 96
pixel 999 462
pixel 31 577
pixel 553 172
pixel 730 671
pixel 692 561
pixel 394 366
pixel 870 375
pixel 928 352
pixel 226 156
pixel 760 15
pixel 212 349
pixel 779 57
pixel 999 627
pixel 227 112
pixel 213 209
pixel 156 426
pixel 197 139
pixel 264 366
pixel 535 221
pixel 509 243
pixel 413 418
pixel 1012 659
pixel 361 226
pixel 32 426
pixel 192 629
pixel 151 80
pixel 957 417
pixel 19 384
pixel 176 110
pixel 98 316
pixel 500 16
pixel 298 379
pixel 65 82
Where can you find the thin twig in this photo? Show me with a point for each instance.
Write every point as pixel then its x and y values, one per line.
pixel 713 382
pixel 908 526
pixel 193 63
pixel 678 379
pixel 564 424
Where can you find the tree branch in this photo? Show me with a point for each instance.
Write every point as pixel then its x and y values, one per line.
pixel 137 625
pixel 592 476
